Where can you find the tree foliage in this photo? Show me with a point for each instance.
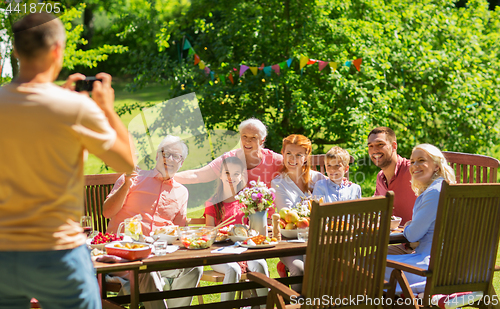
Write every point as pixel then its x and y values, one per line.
pixel 430 70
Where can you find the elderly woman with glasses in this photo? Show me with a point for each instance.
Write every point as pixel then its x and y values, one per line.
pixel 160 200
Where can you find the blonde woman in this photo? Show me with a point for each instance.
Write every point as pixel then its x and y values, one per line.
pixel 428 169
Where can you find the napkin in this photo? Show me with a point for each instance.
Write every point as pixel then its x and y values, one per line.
pixel 230 250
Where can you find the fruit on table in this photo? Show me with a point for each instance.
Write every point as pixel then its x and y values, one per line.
pixel 290 226
pixel 283 212
pixel 101 238
pixel 302 223
pixel 292 216
pixel 282 223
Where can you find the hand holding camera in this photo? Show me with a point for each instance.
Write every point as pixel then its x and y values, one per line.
pixel 99 86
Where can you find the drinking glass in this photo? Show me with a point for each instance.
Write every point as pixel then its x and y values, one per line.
pixel 160 248
pixel 303 234
pixel 86 222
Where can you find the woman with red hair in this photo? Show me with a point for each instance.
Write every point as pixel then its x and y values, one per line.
pixel 296 180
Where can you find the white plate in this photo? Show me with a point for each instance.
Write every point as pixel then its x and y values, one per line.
pixel 289 233
pixel 259 246
pixel 97 246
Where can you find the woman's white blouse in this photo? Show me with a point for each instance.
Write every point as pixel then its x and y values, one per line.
pixel 288 193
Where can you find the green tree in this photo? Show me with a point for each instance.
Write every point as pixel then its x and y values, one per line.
pixel 74 55
pixel 430 70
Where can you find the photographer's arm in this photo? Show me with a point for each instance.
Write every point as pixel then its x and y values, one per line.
pixel 201 175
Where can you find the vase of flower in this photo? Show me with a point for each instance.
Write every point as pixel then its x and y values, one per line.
pixel 257 199
pixel 258 222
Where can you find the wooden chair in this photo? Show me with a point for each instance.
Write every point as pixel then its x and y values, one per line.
pixel 464 246
pixel 346 253
pixel 473 168
pixel 318 163
pixel 97 188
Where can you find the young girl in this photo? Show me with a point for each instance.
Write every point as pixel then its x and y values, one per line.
pixel 223 205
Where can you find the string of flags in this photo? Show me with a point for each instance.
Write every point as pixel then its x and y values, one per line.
pixel 276 68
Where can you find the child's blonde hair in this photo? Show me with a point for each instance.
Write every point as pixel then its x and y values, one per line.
pixel 337 152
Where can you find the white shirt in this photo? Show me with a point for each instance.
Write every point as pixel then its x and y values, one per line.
pixel 288 193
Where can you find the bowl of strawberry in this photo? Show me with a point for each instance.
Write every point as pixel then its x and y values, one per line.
pixel 100 240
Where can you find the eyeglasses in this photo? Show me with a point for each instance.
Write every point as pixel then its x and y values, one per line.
pixel 175 157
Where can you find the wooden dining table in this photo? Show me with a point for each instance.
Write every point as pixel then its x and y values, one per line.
pixel 185 258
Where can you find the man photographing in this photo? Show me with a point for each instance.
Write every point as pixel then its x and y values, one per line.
pixel 45 132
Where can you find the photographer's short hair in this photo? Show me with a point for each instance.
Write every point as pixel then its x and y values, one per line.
pixel 36 33
pixel 338 153
pixel 391 136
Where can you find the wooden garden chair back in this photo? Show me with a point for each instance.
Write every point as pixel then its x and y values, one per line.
pixel 473 168
pixel 317 163
pixel 346 253
pixel 97 188
pixel 465 242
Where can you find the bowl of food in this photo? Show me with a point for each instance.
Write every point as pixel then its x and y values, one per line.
pixel 222 234
pixel 100 240
pixel 241 232
pixel 168 233
pixel 395 222
pixel 197 237
pixel 289 233
pixel 129 250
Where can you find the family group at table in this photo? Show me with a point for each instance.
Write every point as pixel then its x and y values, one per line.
pixel 159 196
pixel 48 129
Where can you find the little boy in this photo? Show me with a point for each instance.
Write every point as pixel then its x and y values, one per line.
pixel 337 187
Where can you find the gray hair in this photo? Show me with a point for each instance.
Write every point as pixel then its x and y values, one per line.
pixel 169 140
pixel 256 123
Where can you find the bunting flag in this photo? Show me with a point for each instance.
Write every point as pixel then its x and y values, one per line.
pixel 303 61
pixel 267 70
pixel 187 45
pixel 333 65
pixel 243 69
pixel 357 64
pixel 276 69
pixel 322 64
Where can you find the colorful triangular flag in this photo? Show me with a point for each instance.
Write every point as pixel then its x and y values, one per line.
pixel 191 52
pixel 261 67
pixel 303 61
pixel 357 64
pixel 223 79
pixel 282 65
pixel 243 69
pixel 254 70
pixel 231 78
pixel 207 70
pixel 196 59
pixel 333 65
pixel 267 70
pixel 276 68
pixel 187 45
pixel 289 62
pixel 322 64
pixel 348 64
pixel 312 61
pixel 212 75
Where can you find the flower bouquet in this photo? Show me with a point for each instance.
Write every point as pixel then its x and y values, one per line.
pixel 256 198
